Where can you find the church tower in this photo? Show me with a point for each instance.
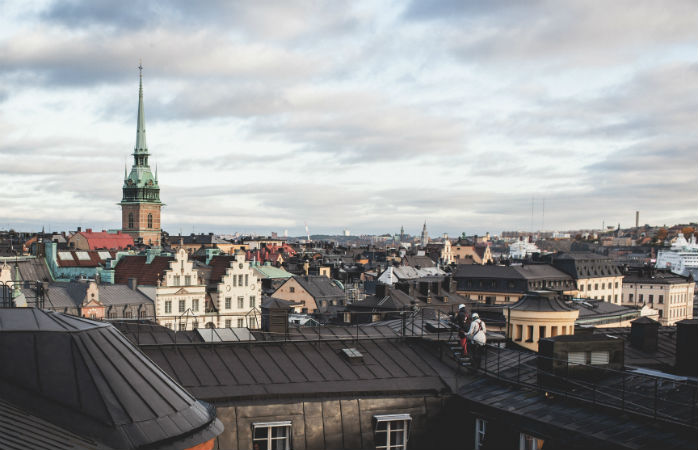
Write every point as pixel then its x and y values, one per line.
pixel 140 204
pixel 425 234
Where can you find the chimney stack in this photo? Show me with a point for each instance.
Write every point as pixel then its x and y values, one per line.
pixel 643 334
pixel 637 219
pixel 133 283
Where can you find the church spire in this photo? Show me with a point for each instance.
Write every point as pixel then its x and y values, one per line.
pixel 141 146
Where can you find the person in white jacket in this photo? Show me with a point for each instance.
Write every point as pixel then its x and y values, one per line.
pixel 477 335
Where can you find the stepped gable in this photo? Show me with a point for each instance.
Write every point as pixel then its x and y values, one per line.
pixel 137 267
pixel 219 264
pixel 86 377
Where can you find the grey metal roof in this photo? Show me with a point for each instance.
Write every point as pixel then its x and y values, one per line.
pixel 86 377
pixel 541 301
pixel 528 271
pixel 20 430
pixel 72 294
pixel 320 286
pixel 229 371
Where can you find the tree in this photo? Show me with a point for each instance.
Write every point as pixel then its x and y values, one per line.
pixel 662 234
pixel 688 232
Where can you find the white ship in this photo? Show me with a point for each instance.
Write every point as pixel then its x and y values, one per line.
pixel 682 258
pixel 521 249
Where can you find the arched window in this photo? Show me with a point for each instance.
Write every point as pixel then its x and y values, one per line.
pixel 150 221
pixel 130 220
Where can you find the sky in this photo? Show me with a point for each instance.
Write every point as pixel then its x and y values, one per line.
pixel 366 115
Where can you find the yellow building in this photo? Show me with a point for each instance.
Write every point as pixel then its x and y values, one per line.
pixel 539 315
pixel 667 292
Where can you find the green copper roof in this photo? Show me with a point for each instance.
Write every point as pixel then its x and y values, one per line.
pixel 141 146
pixel 140 185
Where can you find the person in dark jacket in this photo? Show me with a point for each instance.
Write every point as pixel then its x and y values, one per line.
pixel 462 324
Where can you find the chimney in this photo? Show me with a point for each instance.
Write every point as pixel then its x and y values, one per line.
pixel 637 219
pixel 79 229
pixel 88 230
pixel 133 283
pixel 686 338
pixel 381 290
pixel 643 334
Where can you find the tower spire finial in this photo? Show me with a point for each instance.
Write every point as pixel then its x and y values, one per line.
pixel 141 146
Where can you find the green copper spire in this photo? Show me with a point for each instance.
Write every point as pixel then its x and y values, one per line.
pixel 140 185
pixel 141 146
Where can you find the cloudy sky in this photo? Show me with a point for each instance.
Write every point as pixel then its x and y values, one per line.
pixel 262 116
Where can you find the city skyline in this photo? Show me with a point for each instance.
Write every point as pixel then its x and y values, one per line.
pixel 365 117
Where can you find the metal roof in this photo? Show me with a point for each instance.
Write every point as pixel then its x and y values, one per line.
pixel 86 377
pixel 292 369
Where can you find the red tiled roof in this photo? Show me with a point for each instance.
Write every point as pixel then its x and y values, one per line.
pixel 77 258
pixel 136 267
pixel 262 255
pixel 105 240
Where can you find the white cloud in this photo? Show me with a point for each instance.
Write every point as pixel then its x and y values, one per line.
pixel 363 115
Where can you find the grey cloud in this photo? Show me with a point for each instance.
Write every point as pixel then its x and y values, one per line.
pixel 291 19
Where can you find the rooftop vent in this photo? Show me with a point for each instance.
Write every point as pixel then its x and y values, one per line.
pixel 353 355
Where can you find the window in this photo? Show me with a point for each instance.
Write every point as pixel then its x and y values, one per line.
pixel 596 286
pixel 228 302
pixel 247 278
pixel 660 313
pixel 480 428
pixel 553 331
pixel 519 332
pixel 253 301
pixel 642 297
pixel 528 442
pixel 576 358
pixel 651 298
pixel 235 281
pixel 187 280
pixel 130 220
pixel 630 297
pixel 241 302
pixel 616 285
pixel 615 298
pixel 176 280
pixel 661 299
pixel 603 285
pixel 272 435
pixel 541 332
pixel 150 221
pixel 599 358
pixel 529 333
pixel 228 323
pixel 292 289
pixel 240 280
pixel 194 325
pixel 581 288
pixel 241 323
pixel 195 304
pixel 182 305
pixel 182 326
pixel 168 307
pixel 392 431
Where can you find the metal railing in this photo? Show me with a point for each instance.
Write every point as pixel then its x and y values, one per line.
pixel 666 398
